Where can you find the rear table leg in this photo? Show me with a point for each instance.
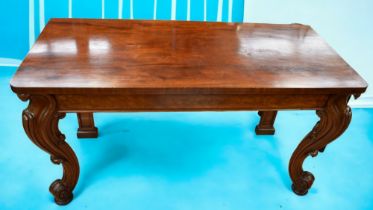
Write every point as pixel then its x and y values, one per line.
pixel 265 126
pixel 87 127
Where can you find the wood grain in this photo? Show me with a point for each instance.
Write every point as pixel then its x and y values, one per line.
pixel 334 120
pixel 182 102
pixel 85 66
pixel 165 57
pixel 40 121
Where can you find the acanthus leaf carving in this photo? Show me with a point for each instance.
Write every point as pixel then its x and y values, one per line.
pixel 40 121
pixel 334 120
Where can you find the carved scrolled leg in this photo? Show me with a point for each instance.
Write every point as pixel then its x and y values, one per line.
pixel 265 126
pixel 334 120
pixel 40 121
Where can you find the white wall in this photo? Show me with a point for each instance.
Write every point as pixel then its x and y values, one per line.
pixel 347 25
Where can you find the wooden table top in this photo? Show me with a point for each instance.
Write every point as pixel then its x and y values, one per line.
pixel 157 57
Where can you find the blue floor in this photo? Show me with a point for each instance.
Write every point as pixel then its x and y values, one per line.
pixel 194 161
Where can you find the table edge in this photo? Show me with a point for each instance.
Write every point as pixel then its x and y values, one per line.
pixel 187 91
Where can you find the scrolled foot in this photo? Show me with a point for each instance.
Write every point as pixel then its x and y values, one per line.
pixel 61 192
pixel 303 184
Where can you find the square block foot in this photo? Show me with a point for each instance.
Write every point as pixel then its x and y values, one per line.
pixel 87 132
pixel 264 131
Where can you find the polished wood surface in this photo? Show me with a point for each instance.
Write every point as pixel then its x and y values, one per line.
pixel 114 56
pixel 86 66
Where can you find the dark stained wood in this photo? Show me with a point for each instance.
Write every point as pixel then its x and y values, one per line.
pixel 85 66
pixel 158 57
pixel 40 121
pixel 334 120
pixel 87 128
pixel 265 126
pixel 186 102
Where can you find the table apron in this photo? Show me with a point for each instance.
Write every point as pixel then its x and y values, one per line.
pixel 104 103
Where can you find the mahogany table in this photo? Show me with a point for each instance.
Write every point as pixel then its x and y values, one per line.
pixel 87 66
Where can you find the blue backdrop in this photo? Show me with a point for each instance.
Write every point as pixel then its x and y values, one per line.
pixel 23 20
